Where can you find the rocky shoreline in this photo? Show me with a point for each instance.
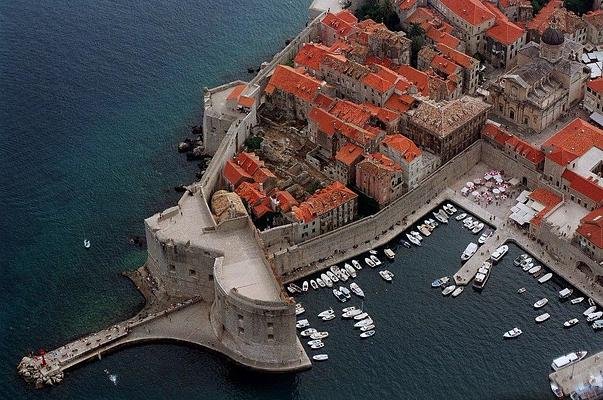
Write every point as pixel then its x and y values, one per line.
pixel 194 149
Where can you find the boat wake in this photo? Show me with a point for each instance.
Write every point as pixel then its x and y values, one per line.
pixel 112 377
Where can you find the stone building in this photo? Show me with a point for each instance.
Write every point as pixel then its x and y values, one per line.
pixel 545 82
pixel 325 210
pixel 568 23
pixel 436 29
pixel 346 160
pixel 516 148
pixel 593 97
pixel 594 26
pixel 380 178
pixel 449 73
pixel 590 234
pixel 516 10
pixel 503 40
pixel 447 128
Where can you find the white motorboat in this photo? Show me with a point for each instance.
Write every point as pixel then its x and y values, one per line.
pixel 542 317
pixel 364 322
pixel 545 278
pixel 567 360
pixel 313 284
pixel 522 290
pixel 499 253
pixel 565 293
pixel 525 262
pixel 444 216
pixel 445 208
pixel 308 332
pixel 528 266
pixel 413 240
pixel 389 253
pixel 589 310
pixel 477 228
pixel 370 327
pixel 467 222
pixel 520 259
pixel 594 316
pixel 591 302
pixel 343 275
pixel 577 300
pixel 375 259
pixel 334 269
pixel 534 270
pixel 469 251
pixel 302 323
pixel 291 289
pixel 485 236
pixel 351 313
pixel 369 262
pixel 346 292
pixel 314 341
pixel 461 216
pixel 440 281
pixel 387 275
pixel 441 219
pixel 483 273
pixel 513 333
pixel 300 310
pixel 305 286
pixel 367 334
pixel 448 289
pixel 326 312
pixel 350 270
pixel 417 235
pixel 360 316
pixel 457 291
pixel 86 244
pixel 320 282
pixel 320 357
pixel 598 324
pixel 348 309
pixel 424 230
pixel 328 317
pixel 317 346
pixel 332 276
pixel 357 290
pixel 429 224
pixel 356 265
pixel 295 287
pixel 571 322
pixel 340 296
pixel 432 223
pixel 541 303
pixel 449 208
pixel 319 335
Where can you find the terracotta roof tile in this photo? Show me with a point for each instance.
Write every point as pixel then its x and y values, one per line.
pixel 472 11
pixel 403 145
pixel 416 77
pixel 596 85
pixel 589 188
pixel 311 55
pixel 575 139
pixel 349 154
pixel 339 24
pixel 591 227
pixel 324 200
pixel 295 82
pixel 461 59
pixel 406 4
pixel 548 199
pixel 440 36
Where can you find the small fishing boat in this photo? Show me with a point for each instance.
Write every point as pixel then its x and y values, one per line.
pixel 528 266
pixel 413 240
pixel 357 290
pixel 589 310
pixel 356 265
pixel 319 335
pixel 477 228
pixel 302 323
pixel 441 219
pixel 369 262
pixel 565 293
pixel 594 316
pixel 343 275
pixel 326 312
pixel 469 251
pixel 522 290
pixel 367 328
pixel 346 292
pixel 320 357
pixel 86 244
pixel 483 273
pixel 461 216
pixel 308 332
pixel 567 360
pixel 367 334
pixel 451 209
pixel 571 322
pixel 387 275
pixel 577 300
pixel 299 310
pixel 513 333
pixel 321 281
pixel 424 230
pixel 591 302
pixel 545 278
pixel 360 316
pixel 416 235
pixel 541 303
pixel 499 253
pixel 351 313
pixel 348 309
pixel 291 289
pixel 334 269
pixel 534 270
pixel 444 216
pixel 457 291
pixel 485 236
pixel 542 317
pixel 439 282
pixel 598 324
pixel 350 270
pixel 317 346
pixel 313 284
pixel 305 286
pixel 340 296
pixel 373 252
pixel 375 259
pixel 448 289
pixel 389 254
pixel 520 259
pixel 364 322
pixel 328 317
pixel 332 276
pixel 314 341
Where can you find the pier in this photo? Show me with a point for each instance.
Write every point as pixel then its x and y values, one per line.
pixel 583 380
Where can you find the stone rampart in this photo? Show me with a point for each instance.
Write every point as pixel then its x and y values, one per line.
pixel 499 160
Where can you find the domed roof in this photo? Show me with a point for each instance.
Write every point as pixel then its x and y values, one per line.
pixel 552 36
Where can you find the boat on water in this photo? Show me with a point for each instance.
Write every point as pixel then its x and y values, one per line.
pixel 375 259
pixel 367 328
pixel 448 289
pixel 577 300
pixel 387 275
pixel 461 216
pixel 457 291
pixel 571 322
pixel 513 333
pixel 542 317
pixel 343 275
pixel 417 235
pixel 522 290
pixel 346 292
pixel 477 228
pixel 450 209
pixel 86 243
pixel 319 335
pixel 356 265
pixel 413 239
pixel 373 252
pixel 340 296
pixel 328 317
pixel 591 302
pixel 367 334
pixel 300 310
pixel 350 270
pixel 314 341
pixel 357 290
pixel 317 346
pixel 305 286
pixel 424 230
pixel 485 236
pixel 541 303
pixel 483 273
pixel 439 282
pixel 567 360
pixel 565 293
pixel 517 262
pixel 332 276
pixel 594 316
pixel 545 278
pixel 321 280
pixel 389 253
pixel 308 332
pixel 598 324
pixel 467 222
pixel 444 215
pixel 534 270
pixel 369 262
pixel 326 312
pixel 320 357
pixel 313 284
pixel 302 323
pixel 351 313
pixel 405 244
pixel 589 310
pixel 499 253
pixel 360 316
pixel 364 322
pixel 334 269
pixel 348 309
pixel 469 251
pixel 528 266
pixel 441 219
pixel 291 289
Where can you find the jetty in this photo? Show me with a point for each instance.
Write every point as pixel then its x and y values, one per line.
pixel 583 380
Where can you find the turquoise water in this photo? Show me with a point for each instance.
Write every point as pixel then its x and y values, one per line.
pixel 94 97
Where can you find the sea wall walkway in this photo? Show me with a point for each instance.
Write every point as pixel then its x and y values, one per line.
pixel 577 378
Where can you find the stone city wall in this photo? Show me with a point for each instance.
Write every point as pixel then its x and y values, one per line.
pixel 497 159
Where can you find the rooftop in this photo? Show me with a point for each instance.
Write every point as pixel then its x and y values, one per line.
pixel 566 21
pixel 472 11
pixel 349 154
pixel 591 227
pixel 445 117
pixel 547 199
pixel 295 82
pixel 323 201
pixel 572 141
pixel 311 55
pixel 403 145
pixel 596 85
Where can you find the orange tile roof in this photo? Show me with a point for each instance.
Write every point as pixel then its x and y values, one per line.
pixel 234 174
pixel 440 36
pixel 596 85
pixel 347 16
pixel 403 145
pixel 330 125
pixel 541 21
pixel 548 199
pixel 381 113
pixel 246 101
pixel 521 147
pixel 472 11
pixel 323 201
pixel 575 139
pixel 461 59
pixel 323 101
pixel 595 18
pixel 236 92
pixel 416 77
pixel 383 162
pixel 339 24
pixel 285 200
pixel 350 112
pixel 588 187
pixel 376 82
pixel 495 133
pixel 311 55
pixel 246 167
pixel 407 4
pixel 293 81
pixel 255 198
pixel 379 61
pixel 426 18
pixel 591 227
pixel 349 154
pixel 444 65
pixel 399 103
pixel 503 31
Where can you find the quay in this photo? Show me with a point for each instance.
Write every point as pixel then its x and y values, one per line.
pixel 581 381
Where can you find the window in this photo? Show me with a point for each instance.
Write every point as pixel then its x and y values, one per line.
pixel 210 278
pixel 241 330
pixel 270 336
pixel 192 272
pixel 172 268
pixel 270 325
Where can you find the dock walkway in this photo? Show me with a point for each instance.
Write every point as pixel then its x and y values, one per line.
pixel 583 380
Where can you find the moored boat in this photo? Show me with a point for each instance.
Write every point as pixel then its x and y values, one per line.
pixel 319 335
pixel 528 266
pixel 534 270
pixel 360 316
pixel 367 328
pixel 313 284
pixel 525 262
pixel 594 316
pixel 348 309
pixel 417 235
pixel 305 286
pixel 328 317
pixel 375 259
pixel 565 293
pixel 357 290
pixel 571 322
pixel 461 216
pixel 389 253
pixel 477 228
pixel 541 303
pixel 308 332
pixel 332 277
pixel 499 253
pixel 513 333
pixel 485 236
pixel 577 300
pixel 440 281
pixel 589 310
pixel 356 265
pixel 424 230
pixel 340 296
pixel 351 313
pixel 367 334
pixel 326 312
pixel 545 278
pixel 317 346
pixel 448 289
pixel 350 270
pixel 517 262
pixel 567 360
pixel 522 290
pixel 364 322
pixel 598 324
pixel 457 291
pixel 413 239
pixel 469 251
pixel 369 262
pixel 387 275
pixel 346 292
pixel 320 357
pixel 302 323
pixel 542 317
pixel 483 273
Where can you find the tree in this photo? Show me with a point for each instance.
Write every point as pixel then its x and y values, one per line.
pixel 380 11
pixel 579 6
pixel 254 142
pixel 417 36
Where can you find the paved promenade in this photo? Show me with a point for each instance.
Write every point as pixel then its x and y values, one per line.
pixel 579 377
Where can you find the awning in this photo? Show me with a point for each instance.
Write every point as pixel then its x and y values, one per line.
pixel 598 118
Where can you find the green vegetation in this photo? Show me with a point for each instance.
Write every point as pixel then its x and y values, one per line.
pixel 313 186
pixel 537 5
pixel 417 36
pixel 380 11
pixel 579 6
pixel 254 142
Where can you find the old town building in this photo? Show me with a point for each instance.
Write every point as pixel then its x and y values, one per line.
pixel 346 160
pixel 380 178
pixel 503 40
pixel 516 10
pixel 514 147
pixel 568 23
pixel 590 234
pixel 593 97
pixel 594 26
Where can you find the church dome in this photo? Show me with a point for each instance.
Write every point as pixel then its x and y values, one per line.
pixel 552 36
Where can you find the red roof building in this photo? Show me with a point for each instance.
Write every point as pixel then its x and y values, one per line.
pixel 380 178
pixel 255 198
pixel 472 12
pixel 546 198
pixel 513 146
pixel 247 167
pixel 293 81
pixel 590 234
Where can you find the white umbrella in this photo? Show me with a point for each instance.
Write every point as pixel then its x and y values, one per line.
pixel 475 193
pixel 469 184
pixel 496 191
